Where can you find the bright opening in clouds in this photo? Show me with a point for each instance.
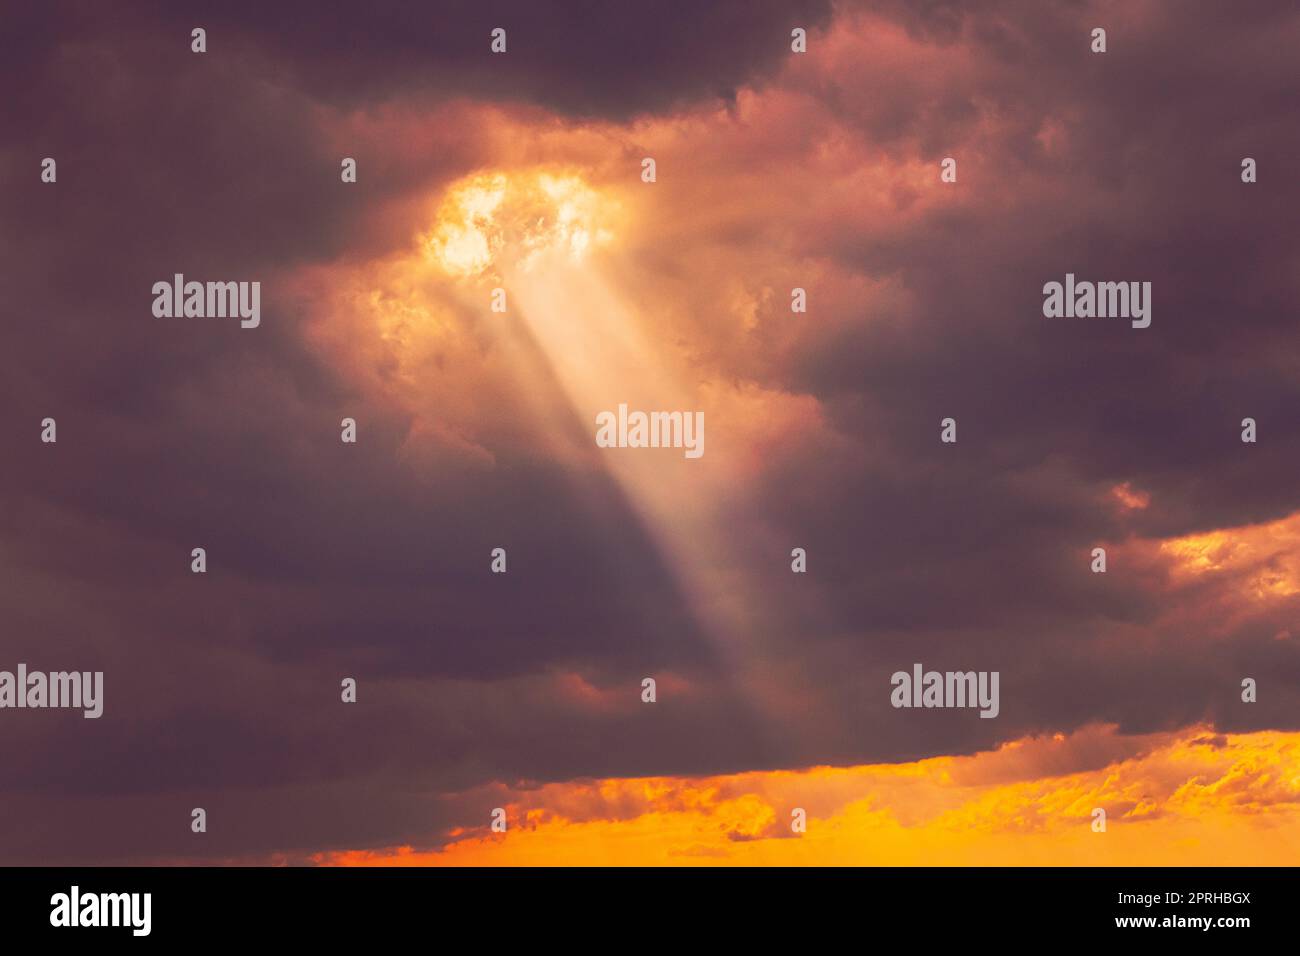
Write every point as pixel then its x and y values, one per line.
pixel 702 415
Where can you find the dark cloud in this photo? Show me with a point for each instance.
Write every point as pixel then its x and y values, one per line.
pixel 580 57
pixel 222 691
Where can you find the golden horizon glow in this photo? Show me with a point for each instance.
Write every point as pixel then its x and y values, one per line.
pixel 1171 799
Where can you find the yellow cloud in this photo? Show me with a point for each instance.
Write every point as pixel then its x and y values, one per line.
pixel 1175 799
pixel 517 217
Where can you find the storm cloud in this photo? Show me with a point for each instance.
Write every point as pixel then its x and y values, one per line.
pixel 775 171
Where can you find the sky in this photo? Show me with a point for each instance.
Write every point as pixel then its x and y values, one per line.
pixel 475 430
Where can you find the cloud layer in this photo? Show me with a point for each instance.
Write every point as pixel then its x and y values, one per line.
pixel 774 171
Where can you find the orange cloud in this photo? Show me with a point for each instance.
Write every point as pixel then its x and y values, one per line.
pixel 1129 497
pixel 1266 557
pixel 1223 578
pixel 1170 799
